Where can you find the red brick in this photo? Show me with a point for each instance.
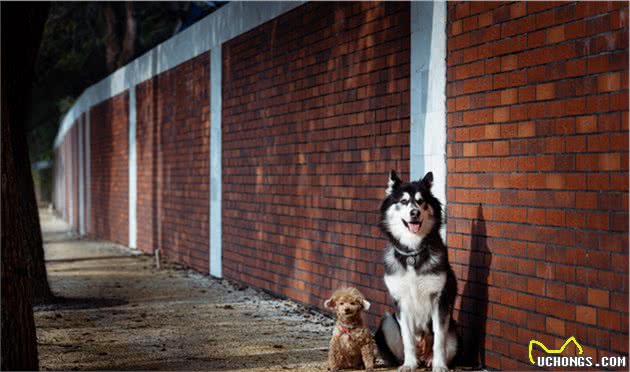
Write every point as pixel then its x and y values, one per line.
pixel 586 314
pixel 109 177
pixel 470 23
pixel 501 114
pixel 599 221
pixel 509 96
pixel 518 10
pixel 462 10
pixel 598 143
pixel 608 122
pixel 545 91
pixel 610 320
pixel 609 82
pixel 619 142
pixel 467 71
pixel 598 298
pixel 509 62
pixel 598 181
pixel 576 144
pixel 485 19
pixel 555 34
pixel 586 124
pixel 555 326
pixel 456 28
pixel 470 149
pixel 619 302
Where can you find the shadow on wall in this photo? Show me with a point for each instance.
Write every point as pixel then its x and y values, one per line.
pixel 475 294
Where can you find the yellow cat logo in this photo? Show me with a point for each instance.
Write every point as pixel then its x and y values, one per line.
pixel 552 351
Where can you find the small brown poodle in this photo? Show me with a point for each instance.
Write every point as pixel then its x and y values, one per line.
pixel 352 345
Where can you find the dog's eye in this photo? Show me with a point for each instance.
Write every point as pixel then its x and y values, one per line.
pixel 404 202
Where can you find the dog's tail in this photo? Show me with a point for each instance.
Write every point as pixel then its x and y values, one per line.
pixel 389 340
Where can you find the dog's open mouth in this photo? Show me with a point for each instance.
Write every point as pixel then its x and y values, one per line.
pixel 413 226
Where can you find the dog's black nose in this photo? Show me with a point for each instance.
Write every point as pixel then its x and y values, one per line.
pixel 414 213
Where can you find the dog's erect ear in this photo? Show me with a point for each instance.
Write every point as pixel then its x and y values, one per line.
pixel 427 181
pixel 366 305
pixel 329 303
pixel 392 183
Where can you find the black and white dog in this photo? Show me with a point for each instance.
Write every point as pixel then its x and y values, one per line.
pixel 419 279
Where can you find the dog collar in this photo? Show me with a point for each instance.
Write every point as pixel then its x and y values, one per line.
pixel 411 257
pixel 346 328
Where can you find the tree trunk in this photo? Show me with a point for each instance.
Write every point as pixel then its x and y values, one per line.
pixel 21 236
pixel 129 42
pixel 112 42
pixel 19 347
pixel 19 64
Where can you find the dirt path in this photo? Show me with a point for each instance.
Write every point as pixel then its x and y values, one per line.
pixel 120 313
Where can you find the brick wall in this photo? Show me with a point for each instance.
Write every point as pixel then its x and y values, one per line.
pixel 538 174
pixel 109 178
pixel 315 114
pixel 173 132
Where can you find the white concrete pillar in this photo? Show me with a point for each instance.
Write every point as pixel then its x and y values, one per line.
pixel 71 180
pixel 216 267
pixel 133 170
pixel 88 167
pixel 428 94
pixel 81 134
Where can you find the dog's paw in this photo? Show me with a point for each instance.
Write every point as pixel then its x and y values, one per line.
pixel 428 361
pixel 407 368
pixel 439 369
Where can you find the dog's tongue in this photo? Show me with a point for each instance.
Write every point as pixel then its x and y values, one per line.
pixel 414 227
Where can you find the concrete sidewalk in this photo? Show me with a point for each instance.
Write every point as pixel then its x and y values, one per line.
pixel 120 313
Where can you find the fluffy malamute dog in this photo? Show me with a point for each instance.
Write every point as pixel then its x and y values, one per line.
pixel 419 279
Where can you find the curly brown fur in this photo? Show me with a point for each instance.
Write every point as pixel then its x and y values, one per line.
pixel 351 345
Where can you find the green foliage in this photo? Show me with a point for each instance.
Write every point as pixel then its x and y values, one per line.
pixel 65 103
pixel 72 55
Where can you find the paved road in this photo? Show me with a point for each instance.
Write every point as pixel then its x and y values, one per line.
pixel 120 313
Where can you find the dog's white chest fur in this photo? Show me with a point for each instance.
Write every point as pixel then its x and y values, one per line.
pixel 416 294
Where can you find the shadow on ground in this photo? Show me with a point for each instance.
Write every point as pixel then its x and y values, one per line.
pixel 65 303
pixel 115 311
